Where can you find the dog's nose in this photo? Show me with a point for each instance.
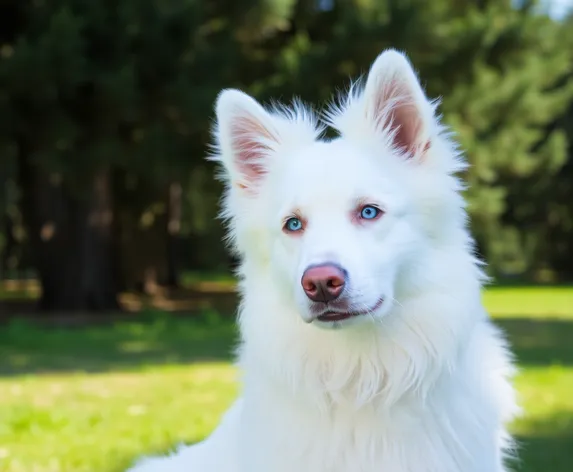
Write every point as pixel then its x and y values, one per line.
pixel 323 283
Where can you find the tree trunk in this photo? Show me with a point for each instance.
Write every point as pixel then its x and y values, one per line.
pixel 98 284
pixel 71 239
pixel 7 249
pixel 174 212
pixel 140 235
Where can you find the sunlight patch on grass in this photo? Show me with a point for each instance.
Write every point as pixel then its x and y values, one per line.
pixel 546 395
pixel 536 302
pixel 97 422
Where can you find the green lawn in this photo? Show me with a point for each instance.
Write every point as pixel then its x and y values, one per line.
pixel 90 399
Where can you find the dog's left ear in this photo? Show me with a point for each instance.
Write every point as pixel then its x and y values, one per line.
pixel 396 105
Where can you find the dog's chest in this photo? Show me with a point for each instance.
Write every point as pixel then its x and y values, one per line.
pixel 408 440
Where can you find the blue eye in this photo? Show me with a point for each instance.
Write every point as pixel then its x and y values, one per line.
pixel 369 212
pixel 293 224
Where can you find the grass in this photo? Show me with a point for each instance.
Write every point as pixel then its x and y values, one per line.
pixel 91 399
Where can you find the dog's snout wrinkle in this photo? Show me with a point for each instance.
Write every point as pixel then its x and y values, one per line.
pixel 324 282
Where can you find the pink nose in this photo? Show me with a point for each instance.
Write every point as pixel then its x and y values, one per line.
pixel 323 283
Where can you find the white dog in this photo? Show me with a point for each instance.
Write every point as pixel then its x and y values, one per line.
pixel 365 346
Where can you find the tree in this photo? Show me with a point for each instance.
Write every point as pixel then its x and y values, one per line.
pixel 103 98
pixel 502 110
pixel 106 109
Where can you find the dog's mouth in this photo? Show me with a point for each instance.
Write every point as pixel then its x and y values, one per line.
pixel 339 315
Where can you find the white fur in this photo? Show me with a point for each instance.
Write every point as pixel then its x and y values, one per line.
pixel 421 384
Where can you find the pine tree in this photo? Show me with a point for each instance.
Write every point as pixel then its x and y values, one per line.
pixel 503 105
pixel 108 110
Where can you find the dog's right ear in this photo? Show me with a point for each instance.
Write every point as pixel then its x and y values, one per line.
pixel 247 137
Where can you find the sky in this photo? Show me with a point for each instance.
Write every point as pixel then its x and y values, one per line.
pixel 558 8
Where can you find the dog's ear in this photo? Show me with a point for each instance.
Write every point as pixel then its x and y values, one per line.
pixel 395 104
pixel 246 138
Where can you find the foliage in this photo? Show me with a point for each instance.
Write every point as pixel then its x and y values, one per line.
pixel 105 112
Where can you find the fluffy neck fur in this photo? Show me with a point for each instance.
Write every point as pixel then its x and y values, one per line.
pixel 355 367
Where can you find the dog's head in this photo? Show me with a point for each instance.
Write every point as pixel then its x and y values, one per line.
pixel 341 225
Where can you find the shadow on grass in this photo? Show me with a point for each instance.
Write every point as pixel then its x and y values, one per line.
pixel 174 339
pixel 26 348
pixel 539 342
pixel 547 447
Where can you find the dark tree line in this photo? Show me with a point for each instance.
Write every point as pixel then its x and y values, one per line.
pixel 106 107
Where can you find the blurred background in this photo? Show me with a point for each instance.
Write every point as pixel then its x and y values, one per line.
pixel 116 293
